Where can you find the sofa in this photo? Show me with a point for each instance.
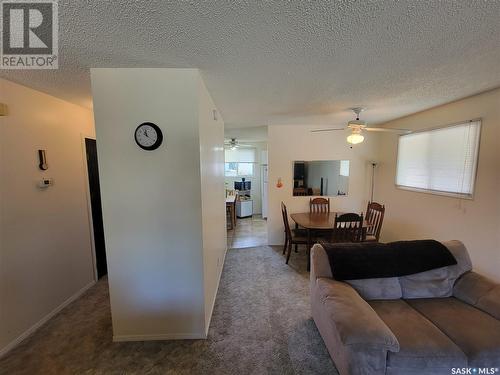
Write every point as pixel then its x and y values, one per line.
pixel 441 321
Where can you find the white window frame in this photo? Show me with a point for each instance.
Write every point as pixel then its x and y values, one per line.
pixel 438 192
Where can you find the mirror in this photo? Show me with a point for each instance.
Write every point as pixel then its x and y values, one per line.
pixel 320 178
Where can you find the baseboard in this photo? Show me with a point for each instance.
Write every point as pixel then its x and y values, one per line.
pixel 44 320
pixel 167 336
pixel 215 294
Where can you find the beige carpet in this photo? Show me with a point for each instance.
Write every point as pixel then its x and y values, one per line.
pixel 261 325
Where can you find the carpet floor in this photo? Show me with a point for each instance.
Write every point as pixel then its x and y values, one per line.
pixel 261 325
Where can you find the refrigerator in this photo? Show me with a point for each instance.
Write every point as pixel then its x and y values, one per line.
pixel 264 184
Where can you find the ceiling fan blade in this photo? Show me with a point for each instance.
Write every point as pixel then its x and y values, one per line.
pixel 326 130
pixel 388 130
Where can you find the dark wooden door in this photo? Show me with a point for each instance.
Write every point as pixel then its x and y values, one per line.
pixel 95 201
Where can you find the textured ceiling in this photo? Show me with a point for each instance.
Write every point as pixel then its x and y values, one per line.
pixel 248 134
pixel 287 62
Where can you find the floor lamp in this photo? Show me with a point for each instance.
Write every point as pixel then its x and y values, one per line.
pixel 374 164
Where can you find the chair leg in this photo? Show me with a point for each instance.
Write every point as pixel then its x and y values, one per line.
pixel 289 252
pixel 285 245
pixel 296 248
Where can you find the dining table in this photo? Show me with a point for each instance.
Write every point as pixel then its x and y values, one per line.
pixel 313 221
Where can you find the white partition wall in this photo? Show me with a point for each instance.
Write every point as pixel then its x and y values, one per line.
pixel 212 196
pixel 162 266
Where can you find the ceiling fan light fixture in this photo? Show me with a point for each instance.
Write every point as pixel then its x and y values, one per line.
pixel 355 137
pixel 232 144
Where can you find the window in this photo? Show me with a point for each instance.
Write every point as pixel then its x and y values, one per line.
pixel 441 161
pixel 344 168
pixel 240 162
pixel 235 169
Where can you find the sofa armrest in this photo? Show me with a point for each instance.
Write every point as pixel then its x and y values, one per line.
pixel 479 291
pixel 320 265
pixel 356 322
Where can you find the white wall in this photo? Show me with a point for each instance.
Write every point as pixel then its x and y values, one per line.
pixel 476 222
pixel 287 143
pixel 45 247
pixel 213 197
pixel 152 201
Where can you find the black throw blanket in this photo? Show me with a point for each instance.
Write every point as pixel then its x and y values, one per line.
pixel 352 261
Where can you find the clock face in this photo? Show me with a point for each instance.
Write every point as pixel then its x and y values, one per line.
pixel 148 136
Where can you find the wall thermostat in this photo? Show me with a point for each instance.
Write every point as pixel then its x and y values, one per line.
pixel 45 183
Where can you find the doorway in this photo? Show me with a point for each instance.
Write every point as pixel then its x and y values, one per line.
pixel 246 183
pixel 96 208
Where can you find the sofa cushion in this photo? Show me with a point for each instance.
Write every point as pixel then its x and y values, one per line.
pixel 374 289
pixel 431 284
pixel 471 287
pixel 368 289
pixel 475 332
pixel 490 302
pixel 438 282
pixel 422 345
pixel 480 292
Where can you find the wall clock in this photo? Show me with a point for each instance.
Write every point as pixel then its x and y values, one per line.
pixel 148 136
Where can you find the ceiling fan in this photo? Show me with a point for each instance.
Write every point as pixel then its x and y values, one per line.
pixel 358 126
pixel 233 144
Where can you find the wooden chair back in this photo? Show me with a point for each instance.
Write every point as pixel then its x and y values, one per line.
pixel 348 228
pixel 375 217
pixel 319 205
pixel 284 213
pixel 299 192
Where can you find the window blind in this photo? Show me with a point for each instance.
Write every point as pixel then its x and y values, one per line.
pixel 441 160
pixel 240 155
pixel 344 168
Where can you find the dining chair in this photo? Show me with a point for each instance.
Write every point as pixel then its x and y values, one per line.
pixel 375 217
pixel 299 192
pixel 292 237
pixel 319 205
pixel 348 228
